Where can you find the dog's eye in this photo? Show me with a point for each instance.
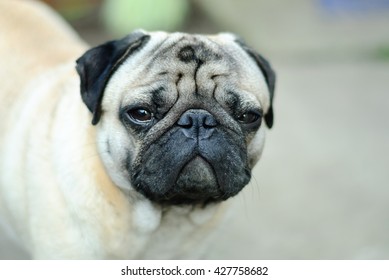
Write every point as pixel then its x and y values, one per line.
pixel 248 118
pixel 140 115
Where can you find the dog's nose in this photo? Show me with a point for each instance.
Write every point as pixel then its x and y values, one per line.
pixel 197 123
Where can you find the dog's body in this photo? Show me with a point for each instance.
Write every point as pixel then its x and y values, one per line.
pixel 68 188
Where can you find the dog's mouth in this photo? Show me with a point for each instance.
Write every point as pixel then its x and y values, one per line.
pixel 196 183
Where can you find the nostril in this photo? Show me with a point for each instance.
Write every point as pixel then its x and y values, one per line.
pixel 209 121
pixel 186 121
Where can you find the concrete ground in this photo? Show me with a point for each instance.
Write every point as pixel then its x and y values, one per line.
pixel 321 190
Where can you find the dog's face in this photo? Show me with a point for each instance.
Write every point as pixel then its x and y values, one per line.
pixel 180 118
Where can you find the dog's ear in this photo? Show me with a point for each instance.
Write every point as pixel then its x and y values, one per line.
pixel 269 75
pixel 96 66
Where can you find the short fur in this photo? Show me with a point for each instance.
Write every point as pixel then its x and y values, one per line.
pixel 121 188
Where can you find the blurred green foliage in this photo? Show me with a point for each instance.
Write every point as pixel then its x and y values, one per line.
pixel 120 16
pixel 382 53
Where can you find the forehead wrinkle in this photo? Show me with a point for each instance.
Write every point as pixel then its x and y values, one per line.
pixel 160 50
pixel 164 58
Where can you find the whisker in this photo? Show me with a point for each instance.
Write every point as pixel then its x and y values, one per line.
pixel 256 189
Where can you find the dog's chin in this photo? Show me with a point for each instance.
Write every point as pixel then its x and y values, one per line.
pixel 196 183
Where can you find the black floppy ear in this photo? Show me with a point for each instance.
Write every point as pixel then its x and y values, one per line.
pixel 96 66
pixel 270 78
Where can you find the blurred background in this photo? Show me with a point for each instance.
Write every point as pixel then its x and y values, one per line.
pixel 321 189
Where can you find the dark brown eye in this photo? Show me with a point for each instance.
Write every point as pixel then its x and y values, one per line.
pixel 248 118
pixel 140 115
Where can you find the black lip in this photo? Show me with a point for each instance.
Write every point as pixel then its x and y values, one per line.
pixel 183 199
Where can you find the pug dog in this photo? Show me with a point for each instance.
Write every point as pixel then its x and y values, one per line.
pixel 127 150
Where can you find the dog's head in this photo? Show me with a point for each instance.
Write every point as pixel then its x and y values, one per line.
pixel 180 118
